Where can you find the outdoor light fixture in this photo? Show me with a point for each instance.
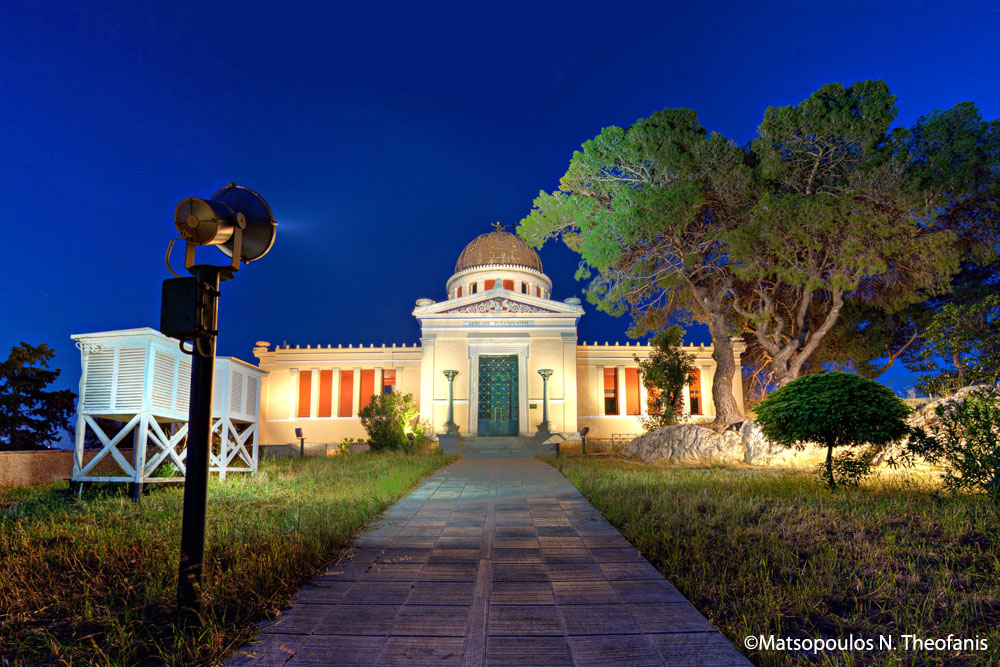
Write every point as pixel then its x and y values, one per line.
pixel 450 425
pixel 239 222
pixel 545 426
pixel 302 442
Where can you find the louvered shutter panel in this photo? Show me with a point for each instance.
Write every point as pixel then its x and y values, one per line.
pixel 131 372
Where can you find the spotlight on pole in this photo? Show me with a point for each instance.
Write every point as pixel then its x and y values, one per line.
pixel 239 222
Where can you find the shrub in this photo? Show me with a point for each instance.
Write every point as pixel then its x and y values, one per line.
pixel 664 374
pixel 834 410
pixel 966 441
pixel 387 418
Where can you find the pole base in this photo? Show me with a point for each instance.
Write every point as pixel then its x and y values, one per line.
pixel 451 427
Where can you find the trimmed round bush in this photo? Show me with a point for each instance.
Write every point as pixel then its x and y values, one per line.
pixel 833 410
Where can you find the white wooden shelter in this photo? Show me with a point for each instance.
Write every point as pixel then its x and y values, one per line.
pixel 141 378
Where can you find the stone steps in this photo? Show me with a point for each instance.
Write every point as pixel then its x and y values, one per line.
pixel 499 447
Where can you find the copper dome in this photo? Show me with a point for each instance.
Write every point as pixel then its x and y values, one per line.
pixel 498 248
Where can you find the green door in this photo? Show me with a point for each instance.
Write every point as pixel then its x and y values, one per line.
pixel 498 414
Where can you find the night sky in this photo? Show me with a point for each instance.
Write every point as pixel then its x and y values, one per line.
pixel 385 136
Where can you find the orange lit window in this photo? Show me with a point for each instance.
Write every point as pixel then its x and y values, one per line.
pixel 325 394
pixel 632 402
pixel 346 393
pixel 610 391
pixel 388 381
pixel 508 284
pixel 538 291
pixel 694 391
pixel 489 285
pixel 367 387
pixel 305 393
pixel 459 292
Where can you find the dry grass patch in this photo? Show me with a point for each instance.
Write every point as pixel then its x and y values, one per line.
pixel 93 581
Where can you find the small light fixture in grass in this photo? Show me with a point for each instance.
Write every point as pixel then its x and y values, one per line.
pixel 834 410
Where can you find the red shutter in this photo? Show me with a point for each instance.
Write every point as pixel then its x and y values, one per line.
pixel 367 387
pixel 538 291
pixel 694 392
pixel 508 284
pixel 632 402
pixel 325 394
pixel 346 393
pixel 459 292
pixel 490 284
pixel 305 393
pixel 610 391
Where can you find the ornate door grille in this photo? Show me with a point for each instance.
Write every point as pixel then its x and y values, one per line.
pixel 498 395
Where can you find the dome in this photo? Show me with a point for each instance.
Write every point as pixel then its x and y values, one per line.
pixel 498 248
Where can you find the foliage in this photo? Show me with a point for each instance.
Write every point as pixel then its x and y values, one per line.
pixel 833 410
pixel 646 208
pixel 828 211
pixel 762 553
pixel 93 581
pixel 665 374
pixel 848 468
pixel 30 416
pixel 388 418
pixel 967 441
pixel 966 335
pixel 834 212
pixel 423 432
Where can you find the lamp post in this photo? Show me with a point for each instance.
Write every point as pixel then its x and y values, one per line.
pixel 239 222
pixel 451 426
pixel 545 426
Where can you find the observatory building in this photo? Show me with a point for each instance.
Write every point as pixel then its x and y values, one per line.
pixel 489 342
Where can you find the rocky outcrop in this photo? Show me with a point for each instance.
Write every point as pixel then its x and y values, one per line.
pixel 686 443
pixel 925 417
pixel 758 450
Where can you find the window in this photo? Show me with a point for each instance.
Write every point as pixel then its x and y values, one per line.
pixel 388 381
pixel 472 289
pixel 508 284
pixel 305 393
pixel 610 391
pixel 524 288
pixel 325 394
pixel 367 387
pixel 694 391
pixel 459 295
pixel 632 402
pixel 489 285
pixel 538 291
pixel 346 393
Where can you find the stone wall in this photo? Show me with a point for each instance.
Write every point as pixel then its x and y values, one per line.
pixel 45 466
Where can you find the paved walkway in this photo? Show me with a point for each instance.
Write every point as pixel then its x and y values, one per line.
pixel 491 562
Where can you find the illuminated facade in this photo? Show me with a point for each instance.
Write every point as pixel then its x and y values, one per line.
pixel 498 327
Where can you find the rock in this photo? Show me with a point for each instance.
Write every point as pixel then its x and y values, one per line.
pixel 758 450
pixel 686 443
pixel 925 416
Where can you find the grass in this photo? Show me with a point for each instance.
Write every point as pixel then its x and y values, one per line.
pixel 775 553
pixel 93 581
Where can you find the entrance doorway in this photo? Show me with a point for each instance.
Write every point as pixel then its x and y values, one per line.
pixel 498 395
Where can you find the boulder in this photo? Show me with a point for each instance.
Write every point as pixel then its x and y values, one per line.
pixel 758 450
pixel 686 443
pixel 925 416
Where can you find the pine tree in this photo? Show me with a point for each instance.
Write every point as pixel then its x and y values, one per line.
pixel 30 416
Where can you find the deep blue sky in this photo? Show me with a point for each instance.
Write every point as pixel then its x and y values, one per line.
pixel 385 136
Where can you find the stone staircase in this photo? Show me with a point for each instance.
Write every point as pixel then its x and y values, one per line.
pixel 497 448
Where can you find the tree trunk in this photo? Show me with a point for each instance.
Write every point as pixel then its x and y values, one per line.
pixel 727 410
pixel 829 468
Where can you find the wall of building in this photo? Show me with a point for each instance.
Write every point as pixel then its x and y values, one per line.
pixel 594 359
pixel 280 397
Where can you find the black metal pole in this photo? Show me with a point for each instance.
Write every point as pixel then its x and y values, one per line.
pixel 199 438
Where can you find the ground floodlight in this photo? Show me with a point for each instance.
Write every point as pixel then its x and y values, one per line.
pixel 236 219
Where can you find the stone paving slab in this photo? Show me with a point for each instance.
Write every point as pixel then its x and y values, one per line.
pixel 490 562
